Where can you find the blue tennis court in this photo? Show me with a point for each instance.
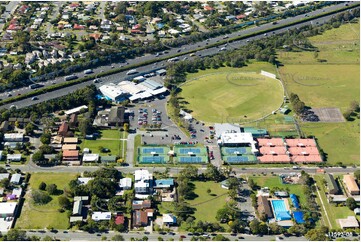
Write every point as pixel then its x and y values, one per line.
pixel 240 150
pixel 150 150
pixel 189 150
pixel 237 159
pixel 151 159
pixel 190 159
pixel 280 211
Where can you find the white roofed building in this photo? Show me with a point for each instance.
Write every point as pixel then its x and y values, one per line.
pixel 143 184
pixel 238 139
pixel 99 216
pixel 113 92
pixel 125 183
pixel 90 157
pixel 76 110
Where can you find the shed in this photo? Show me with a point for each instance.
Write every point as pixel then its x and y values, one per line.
pixel 4 176
pixel 77 207
pixel 108 159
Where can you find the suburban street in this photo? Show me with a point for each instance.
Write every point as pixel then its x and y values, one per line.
pixel 161 64
pixel 84 236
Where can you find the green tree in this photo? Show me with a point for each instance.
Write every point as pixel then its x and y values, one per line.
pixel 220 237
pixel 209 191
pixel 190 172
pixel 52 189
pixel 126 127
pixel 117 237
pixel 29 129
pixel 38 157
pixel 212 173
pixel 47 238
pixel 42 186
pixel 254 226
pixel 64 202
pixel 45 138
pixel 317 234
pixel 351 203
pixel 84 127
pixel 357 175
pixel 15 235
pixel 40 197
pixel 4 183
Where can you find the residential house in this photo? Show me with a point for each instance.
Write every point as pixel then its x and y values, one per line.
pixel 141 218
pixel 125 183
pixel 119 219
pixel 100 216
pixel 15 179
pixel 141 204
pixel 351 185
pixel 13 157
pixel 69 147
pixel 349 222
pixel 70 155
pixel 13 137
pixel 90 157
pixel 17 192
pixel 8 209
pixel 70 140
pixel 84 180
pixel 169 219
pixel 63 129
pixel 117 116
pixel 77 207
pixel 143 184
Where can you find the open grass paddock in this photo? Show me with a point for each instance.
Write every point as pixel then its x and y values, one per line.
pixel 334 83
pixel 41 216
pixel 231 95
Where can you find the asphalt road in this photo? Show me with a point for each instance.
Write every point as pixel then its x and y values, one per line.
pixel 31 167
pixel 84 236
pixel 161 64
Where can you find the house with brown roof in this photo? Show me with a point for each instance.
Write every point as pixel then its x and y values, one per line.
pixel 96 36
pixel 263 206
pixel 119 219
pixel 73 122
pixel 141 204
pixel 142 217
pixel 351 185
pixel 63 129
pixel 70 155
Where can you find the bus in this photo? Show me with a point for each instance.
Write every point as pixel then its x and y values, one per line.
pixel 36 85
pixel 69 78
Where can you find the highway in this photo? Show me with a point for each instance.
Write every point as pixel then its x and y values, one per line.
pixel 149 68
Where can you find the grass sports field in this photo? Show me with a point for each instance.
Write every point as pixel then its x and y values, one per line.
pixel 41 216
pixel 334 83
pixel 229 94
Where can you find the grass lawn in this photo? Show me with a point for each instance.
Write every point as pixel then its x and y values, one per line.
pixel 207 205
pixel 110 139
pixel 231 94
pixel 41 216
pixel 275 181
pixel 333 211
pixel 137 143
pixel 339 140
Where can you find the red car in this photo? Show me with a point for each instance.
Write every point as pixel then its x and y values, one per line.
pixel 183 236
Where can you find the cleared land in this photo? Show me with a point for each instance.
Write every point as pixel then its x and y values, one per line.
pixel 205 205
pixel 334 83
pixel 231 95
pixel 41 216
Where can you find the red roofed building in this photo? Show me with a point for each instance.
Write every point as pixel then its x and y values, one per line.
pixel 78 27
pixel 137 26
pixel 63 129
pixel 74 5
pixel 208 8
pixel 270 142
pixel 274 159
pixel 300 142
pixel 14 27
pixel 23 9
pixel 96 36
pixel 241 16
pixel 136 31
pixel 119 219
pixel 70 155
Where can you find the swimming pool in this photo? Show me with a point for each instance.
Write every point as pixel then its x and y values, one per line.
pixel 280 210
